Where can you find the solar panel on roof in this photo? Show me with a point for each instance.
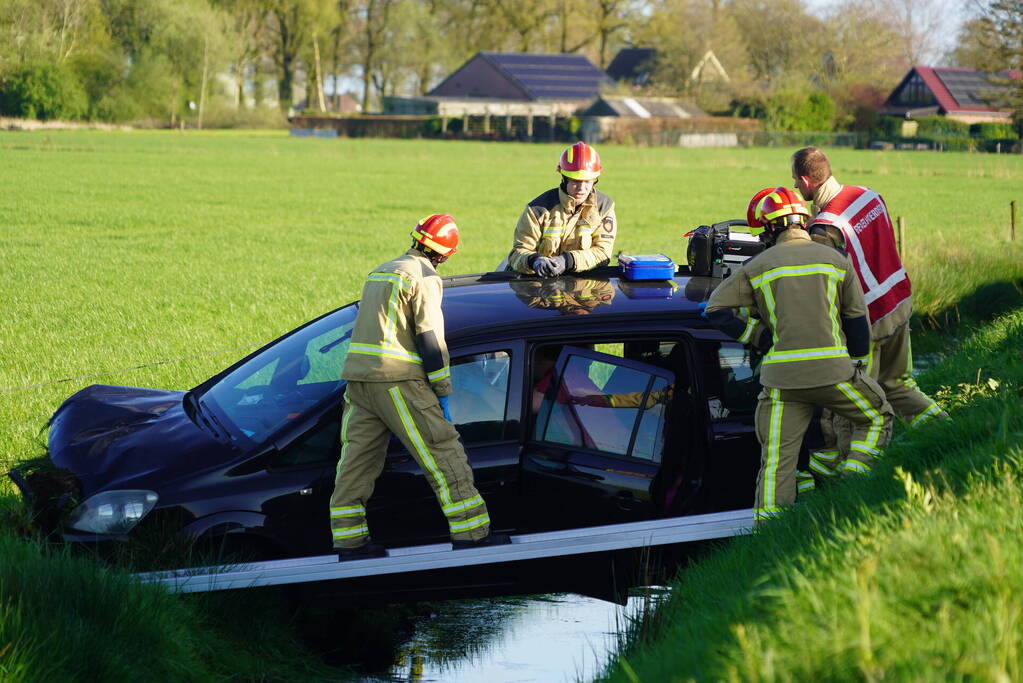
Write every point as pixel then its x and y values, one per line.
pixel 968 88
pixel 552 76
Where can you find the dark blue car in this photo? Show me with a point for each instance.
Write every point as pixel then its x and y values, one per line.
pixel 580 400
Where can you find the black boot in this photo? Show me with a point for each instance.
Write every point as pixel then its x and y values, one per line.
pixel 486 541
pixel 365 551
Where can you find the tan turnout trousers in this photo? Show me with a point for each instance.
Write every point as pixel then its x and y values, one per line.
pixel 409 409
pixel 891 364
pixel 781 420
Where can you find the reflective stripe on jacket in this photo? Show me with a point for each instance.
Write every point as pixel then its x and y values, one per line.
pixel 552 224
pixel 801 290
pixel 399 331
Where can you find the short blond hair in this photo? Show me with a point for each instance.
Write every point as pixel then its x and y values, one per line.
pixel 812 163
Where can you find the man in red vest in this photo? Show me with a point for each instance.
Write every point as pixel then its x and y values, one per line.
pixel 855 220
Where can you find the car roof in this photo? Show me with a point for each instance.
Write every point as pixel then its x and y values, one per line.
pixel 487 301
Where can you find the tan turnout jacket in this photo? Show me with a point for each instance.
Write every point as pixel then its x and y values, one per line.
pixel 801 290
pixel 399 331
pixel 552 224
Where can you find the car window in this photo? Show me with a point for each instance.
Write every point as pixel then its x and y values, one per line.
pixel 281 382
pixel 479 395
pixel 598 403
pixel 733 391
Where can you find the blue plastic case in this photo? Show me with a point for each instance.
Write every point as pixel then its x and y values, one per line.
pixel 646 267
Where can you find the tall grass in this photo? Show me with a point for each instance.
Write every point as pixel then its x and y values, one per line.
pixel 69 618
pixel 912 573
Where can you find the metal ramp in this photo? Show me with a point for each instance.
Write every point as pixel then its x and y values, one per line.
pixel 440 556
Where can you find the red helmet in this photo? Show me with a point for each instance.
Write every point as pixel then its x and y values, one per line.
pixel 439 234
pixel 780 208
pixel 751 210
pixel 580 162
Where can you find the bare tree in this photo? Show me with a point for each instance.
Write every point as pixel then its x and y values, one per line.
pixel 921 25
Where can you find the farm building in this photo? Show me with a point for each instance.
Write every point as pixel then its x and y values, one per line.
pixel 959 93
pixel 632 65
pixel 635 66
pixel 509 84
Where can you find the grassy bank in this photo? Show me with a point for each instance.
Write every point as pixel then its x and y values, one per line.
pixel 72 619
pixel 912 573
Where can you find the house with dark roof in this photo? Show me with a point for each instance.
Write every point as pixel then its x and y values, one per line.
pixel 956 92
pixel 633 65
pixel 524 76
pixel 510 84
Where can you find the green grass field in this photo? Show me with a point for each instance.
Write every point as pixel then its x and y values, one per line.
pixel 120 250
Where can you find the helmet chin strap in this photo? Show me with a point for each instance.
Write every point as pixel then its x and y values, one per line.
pixel 435 258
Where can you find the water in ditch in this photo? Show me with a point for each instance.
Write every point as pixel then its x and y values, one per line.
pixel 562 637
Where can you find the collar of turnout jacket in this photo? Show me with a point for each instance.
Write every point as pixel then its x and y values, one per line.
pixel 399 331
pixel 801 290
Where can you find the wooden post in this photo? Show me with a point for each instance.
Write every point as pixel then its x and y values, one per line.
pixel 486 123
pixel 507 125
pixel 902 237
pixel 529 125
pixel 552 121
pixel 1012 221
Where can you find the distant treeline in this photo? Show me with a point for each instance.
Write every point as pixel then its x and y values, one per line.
pixel 224 62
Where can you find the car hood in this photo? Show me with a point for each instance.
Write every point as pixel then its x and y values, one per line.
pixel 127 437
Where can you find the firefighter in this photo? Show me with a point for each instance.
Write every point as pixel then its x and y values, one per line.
pixel 815 339
pixel 398 382
pixel 570 228
pixel 856 220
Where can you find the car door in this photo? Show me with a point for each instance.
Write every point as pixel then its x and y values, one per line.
pixel 730 383
pixel 597 441
pixel 485 406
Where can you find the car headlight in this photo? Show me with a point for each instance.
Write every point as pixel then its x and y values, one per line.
pixel 112 512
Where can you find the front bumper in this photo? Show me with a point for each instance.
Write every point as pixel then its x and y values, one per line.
pixel 49 492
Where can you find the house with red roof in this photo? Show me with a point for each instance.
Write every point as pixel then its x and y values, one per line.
pixel 959 93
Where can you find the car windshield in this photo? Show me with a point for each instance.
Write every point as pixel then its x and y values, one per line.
pixel 280 383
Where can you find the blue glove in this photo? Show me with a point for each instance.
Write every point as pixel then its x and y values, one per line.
pixel 443 400
pixel 549 266
pixel 702 308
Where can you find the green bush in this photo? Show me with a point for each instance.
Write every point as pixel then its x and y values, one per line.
pixel 957 143
pixel 43 91
pixel 789 110
pixel 888 127
pixel 941 127
pixel 994 131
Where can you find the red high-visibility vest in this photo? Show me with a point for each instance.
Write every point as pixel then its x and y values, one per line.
pixel 861 215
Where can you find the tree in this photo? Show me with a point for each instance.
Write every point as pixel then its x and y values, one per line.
pixel 999 30
pixel 248 19
pixel 683 32
pixel 782 41
pixel 920 26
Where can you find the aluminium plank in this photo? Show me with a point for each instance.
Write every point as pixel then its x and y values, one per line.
pixel 532 546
